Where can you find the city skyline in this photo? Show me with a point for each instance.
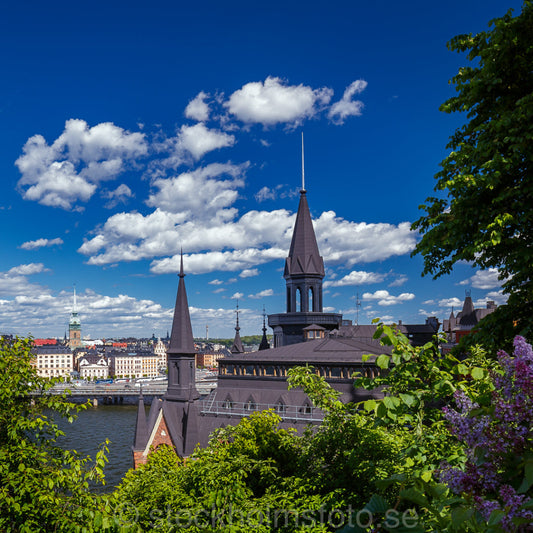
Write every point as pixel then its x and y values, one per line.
pixel 131 133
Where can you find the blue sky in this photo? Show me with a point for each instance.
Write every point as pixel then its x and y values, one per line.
pixel 133 129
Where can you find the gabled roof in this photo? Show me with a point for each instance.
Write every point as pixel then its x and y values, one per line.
pixel 330 349
pixel 304 257
pixel 314 327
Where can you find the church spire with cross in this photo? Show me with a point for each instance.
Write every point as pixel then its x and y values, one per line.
pixel 265 345
pixel 237 343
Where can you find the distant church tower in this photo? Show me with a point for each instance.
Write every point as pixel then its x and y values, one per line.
pixel 304 272
pixel 74 327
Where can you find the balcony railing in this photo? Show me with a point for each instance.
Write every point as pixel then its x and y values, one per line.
pixel 240 409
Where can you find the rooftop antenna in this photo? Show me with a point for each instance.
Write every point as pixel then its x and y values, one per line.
pixel 303 169
pixel 207 332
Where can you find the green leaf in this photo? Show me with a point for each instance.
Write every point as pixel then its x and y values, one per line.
pixel 391 402
pixel 528 477
pixel 408 399
pixel 377 504
pixel 370 405
pixel 496 517
pixel 460 515
pixel 415 496
pixel 478 373
pixel 383 361
pixel 426 475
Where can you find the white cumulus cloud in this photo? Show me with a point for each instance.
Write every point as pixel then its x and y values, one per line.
pixel 69 170
pixel 484 279
pixel 249 273
pixel 385 299
pixel 199 193
pixel 198 140
pixel 41 243
pixel 274 101
pixel 357 277
pixel 198 108
pixel 347 106
pixel 261 294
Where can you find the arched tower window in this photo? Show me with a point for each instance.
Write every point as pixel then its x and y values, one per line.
pixel 298 300
pixel 311 299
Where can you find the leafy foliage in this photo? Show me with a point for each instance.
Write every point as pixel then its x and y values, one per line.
pixel 416 382
pixel 244 473
pixel 42 488
pixel 486 216
pixel 496 483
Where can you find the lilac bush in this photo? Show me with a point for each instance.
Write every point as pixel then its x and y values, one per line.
pixel 498 474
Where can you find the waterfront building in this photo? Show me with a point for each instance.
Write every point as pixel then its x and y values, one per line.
pixel 53 361
pixel 93 366
pixel 133 364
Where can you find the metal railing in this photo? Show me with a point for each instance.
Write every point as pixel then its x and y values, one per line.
pixel 240 409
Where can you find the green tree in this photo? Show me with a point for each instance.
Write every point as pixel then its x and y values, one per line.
pixel 42 487
pixel 483 213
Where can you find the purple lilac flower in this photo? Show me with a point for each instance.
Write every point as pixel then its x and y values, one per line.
pixel 495 440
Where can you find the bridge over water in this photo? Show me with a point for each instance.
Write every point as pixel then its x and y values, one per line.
pixel 121 393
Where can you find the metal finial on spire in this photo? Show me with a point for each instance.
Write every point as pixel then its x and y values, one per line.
pixel 75 305
pixel 264 317
pixel 237 328
pixel 303 166
pixel 181 274
pixel 357 307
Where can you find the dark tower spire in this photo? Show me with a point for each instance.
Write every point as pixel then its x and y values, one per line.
pixel 265 345
pixel 304 272
pixel 141 426
pixel 237 343
pixel 468 315
pixel 181 352
pixel 304 266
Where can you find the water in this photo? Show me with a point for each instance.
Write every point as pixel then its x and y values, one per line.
pixel 92 427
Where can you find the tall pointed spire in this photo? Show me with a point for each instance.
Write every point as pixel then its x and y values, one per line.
pixel 237 343
pixel 468 315
pixel 181 352
pixel 265 345
pixel 141 425
pixel 304 272
pixel 181 337
pixel 304 257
